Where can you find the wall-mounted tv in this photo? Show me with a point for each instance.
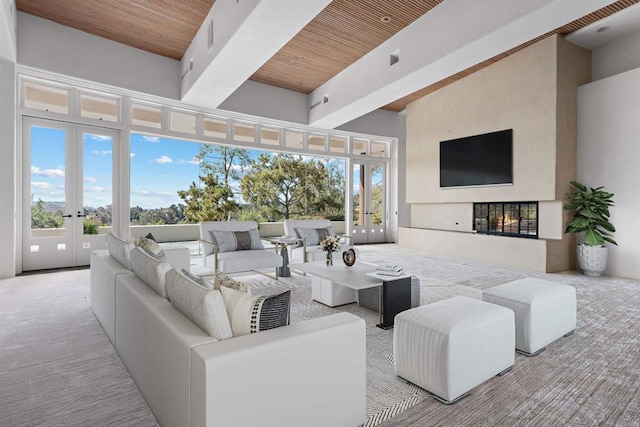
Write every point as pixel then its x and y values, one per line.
pixel 477 160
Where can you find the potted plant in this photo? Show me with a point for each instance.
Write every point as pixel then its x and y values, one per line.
pixel 591 216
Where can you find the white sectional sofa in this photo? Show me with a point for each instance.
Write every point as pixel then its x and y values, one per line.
pixel 311 373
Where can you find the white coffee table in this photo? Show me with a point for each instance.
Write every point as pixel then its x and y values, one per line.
pixel 338 285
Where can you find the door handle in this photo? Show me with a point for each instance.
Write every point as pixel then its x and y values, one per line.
pixel 80 216
pixel 67 216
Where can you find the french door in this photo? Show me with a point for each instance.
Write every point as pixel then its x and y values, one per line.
pixel 68 192
pixel 369 203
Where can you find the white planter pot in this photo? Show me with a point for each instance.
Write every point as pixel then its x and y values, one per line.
pixel 592 260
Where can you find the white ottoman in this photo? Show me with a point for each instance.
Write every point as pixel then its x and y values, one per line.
pixel 544 311
pixel 454 345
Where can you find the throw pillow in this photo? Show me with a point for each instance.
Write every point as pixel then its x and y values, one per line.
pixel 119 249
pixel 249 314
pixel 230 241
pixel 199 280
pixel 224 280
pixel 150 270
pixel 150 246
pixel 313 236
pixel 203 307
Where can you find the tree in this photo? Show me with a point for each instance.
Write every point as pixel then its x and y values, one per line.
pixel 42 218
pixel 286 186
pixel 225 163
pixel 211 202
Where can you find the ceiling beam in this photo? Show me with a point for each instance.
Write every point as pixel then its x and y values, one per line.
pixel 235 40
pixel 452 37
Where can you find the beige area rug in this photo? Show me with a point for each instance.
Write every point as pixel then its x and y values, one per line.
pixel 591 378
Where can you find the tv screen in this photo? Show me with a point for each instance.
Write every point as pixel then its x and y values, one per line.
pixel 477 160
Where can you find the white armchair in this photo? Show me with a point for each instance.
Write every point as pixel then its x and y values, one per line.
pixel 310 250
pixel 235 246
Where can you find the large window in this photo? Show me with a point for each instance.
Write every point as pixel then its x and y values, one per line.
pixel 515 219
pixel 176 181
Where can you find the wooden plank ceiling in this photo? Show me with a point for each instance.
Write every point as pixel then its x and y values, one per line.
pixel 341 34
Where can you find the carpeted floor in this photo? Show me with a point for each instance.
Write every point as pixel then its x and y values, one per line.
pixel 57 366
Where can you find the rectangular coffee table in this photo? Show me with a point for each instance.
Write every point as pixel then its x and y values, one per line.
pixel 338 285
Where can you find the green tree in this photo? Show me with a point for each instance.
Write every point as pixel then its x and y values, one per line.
pixel 211 202
pixel 225 163
pixel 42 218
pixel 286 186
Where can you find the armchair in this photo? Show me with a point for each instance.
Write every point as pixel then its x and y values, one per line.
pixel 235 246
pixel 309 249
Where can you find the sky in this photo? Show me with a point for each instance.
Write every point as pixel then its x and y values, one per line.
pixel 159 168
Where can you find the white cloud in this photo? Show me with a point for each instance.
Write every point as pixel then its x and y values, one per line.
pixel 41 185
pixel 193 161
pixel 58 173
pixel 132 155
pixel 150 138
pixel 100 137
pixel 102 152
pixel 90 179
pixel 96 189
pixel 164 159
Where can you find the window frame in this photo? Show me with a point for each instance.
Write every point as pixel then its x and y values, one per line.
pixel 494 207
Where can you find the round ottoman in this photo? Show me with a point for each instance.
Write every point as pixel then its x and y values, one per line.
pixel 454 345
pixel 544 311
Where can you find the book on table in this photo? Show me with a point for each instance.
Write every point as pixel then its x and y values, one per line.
pixel 389 270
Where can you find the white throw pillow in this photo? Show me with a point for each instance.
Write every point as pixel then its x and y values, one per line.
pixel 249 314
pixel 203 307
pixel 150 246
pixel 224 280
pixel 150 270
pixel 119 249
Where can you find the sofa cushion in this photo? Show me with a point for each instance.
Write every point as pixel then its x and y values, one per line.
pixel 150 270
pixel 249 314
pixel 150 246
pixel 230 241
pixel 232 262
pixel 119 249
pixel 313 236
pixel 198 280
pixel 202 306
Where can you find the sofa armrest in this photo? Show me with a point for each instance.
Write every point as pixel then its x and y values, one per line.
pixel 282 376
pixel 215 254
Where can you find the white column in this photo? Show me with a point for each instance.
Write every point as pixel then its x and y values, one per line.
pixel 8 169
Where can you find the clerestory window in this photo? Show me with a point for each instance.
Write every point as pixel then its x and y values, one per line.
pixel 514 219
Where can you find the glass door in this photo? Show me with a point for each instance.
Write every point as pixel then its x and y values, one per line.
pixel 67 192
pixel 369 203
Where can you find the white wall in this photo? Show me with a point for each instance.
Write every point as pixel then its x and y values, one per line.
pixel 268 101
pixel 616 57
pixel 609 155
pixel 49 46
pixel 7 169
pixel 8 30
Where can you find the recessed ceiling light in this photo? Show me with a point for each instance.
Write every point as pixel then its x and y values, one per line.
pixel 385 19
pixel 603 29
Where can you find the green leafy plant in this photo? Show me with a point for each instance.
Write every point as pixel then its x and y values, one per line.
pixel 591 215
pixel 90 227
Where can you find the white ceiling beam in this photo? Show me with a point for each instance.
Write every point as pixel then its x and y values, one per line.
pixel 452 37
pixel 235 40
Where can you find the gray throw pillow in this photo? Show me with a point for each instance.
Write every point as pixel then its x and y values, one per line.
pixel 119 249
pixel 150 270
pixel 313 236
pixel 231 241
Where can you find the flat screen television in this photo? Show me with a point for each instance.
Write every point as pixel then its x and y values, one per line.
pixel 477 160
